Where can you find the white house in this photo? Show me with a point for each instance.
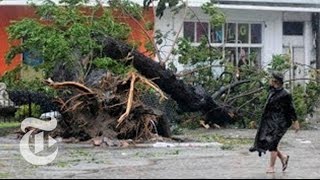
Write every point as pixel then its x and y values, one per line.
pixel 263 27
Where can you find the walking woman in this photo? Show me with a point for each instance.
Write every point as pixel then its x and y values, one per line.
pixel 279 114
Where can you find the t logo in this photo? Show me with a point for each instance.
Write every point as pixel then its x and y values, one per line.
pixel 25 150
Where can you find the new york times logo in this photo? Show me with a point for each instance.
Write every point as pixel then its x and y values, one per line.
pixel 33 157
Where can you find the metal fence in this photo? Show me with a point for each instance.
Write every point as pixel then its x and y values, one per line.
pixel 23 104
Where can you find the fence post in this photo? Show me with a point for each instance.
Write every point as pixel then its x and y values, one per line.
pixel 29 103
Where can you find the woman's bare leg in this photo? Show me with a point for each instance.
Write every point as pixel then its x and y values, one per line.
pixel 282 156
pixel 273 158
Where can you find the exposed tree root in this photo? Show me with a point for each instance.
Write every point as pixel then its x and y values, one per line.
pixel 130 100
pixel 79 86
pixel 110 109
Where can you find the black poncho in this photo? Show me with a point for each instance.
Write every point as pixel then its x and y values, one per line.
pixel 277 117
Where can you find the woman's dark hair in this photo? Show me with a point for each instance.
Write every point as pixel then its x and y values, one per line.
pixel 278 76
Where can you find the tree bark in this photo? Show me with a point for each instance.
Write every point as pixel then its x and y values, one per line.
pixel 189 98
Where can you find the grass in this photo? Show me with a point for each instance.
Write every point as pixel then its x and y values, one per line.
pixel 9 124
pixel 4 175
pixel 79 153
pixel 8 127
pixel 228 143
pixel 63 164
pixel 157 154
pixel 77 156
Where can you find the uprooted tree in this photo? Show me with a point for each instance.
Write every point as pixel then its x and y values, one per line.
pixel 100 78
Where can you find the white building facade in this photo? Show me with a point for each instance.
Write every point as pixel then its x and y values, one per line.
pixel 260 28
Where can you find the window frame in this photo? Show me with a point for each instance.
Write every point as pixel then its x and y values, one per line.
pixel 235 45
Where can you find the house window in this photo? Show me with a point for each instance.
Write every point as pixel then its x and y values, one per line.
pixel 216 35
pixel 32 58
pixel 230 33
pixel 243 33
pixel 189 31
pixel 202 31
pixel 256 34
pixel 195 31
pixel 293 28
pixel 239 40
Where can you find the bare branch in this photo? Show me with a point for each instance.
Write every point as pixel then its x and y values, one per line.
pixel 207 37
pixel 142 28
pixel 302 79
pixel 245 94
pixel 154 86
pixel 182 74
pixel 225 88
pixel 306 65
pixel 247 103
pixel 177 36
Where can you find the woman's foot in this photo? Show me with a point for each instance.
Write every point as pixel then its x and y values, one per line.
pixel 270 170
pixel 285 163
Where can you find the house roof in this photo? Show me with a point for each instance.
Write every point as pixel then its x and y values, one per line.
pixel 275 1
pixel 271 2
pixel 25 2
pixel 266 5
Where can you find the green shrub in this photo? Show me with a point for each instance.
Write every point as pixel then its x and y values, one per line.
pixel 110 64
pixel 13 82
pixel 23 111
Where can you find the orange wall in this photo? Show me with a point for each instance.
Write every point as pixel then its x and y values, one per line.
pixel 7 14
pixel 137 33
pixel 11 13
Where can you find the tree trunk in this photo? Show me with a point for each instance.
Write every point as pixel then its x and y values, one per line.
pixel 189 98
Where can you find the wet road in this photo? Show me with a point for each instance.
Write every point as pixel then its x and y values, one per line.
pixel 209 160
